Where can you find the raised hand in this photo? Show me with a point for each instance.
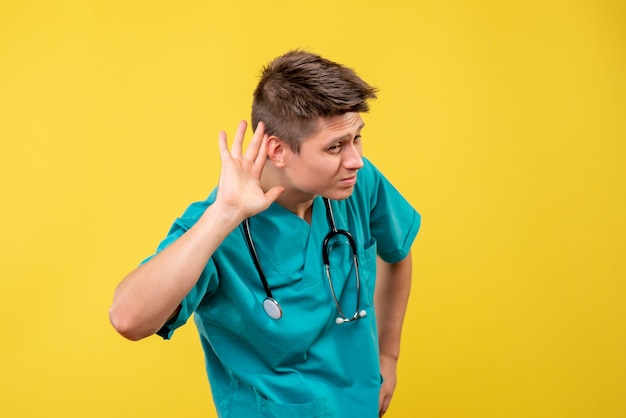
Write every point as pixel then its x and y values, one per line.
pixel 239 186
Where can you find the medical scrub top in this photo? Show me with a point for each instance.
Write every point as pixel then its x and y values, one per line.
pixel 304 364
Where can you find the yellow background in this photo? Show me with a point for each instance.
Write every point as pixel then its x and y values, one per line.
pixel 502 122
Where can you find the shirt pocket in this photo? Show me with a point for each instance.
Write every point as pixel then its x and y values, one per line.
pixel 367 271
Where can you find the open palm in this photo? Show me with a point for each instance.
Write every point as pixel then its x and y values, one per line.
pixel 240 179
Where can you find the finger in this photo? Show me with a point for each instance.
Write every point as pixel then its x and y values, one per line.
pixel 273 193
pixel 383 408
pixel 262 154
pixel 223 145
pixel 383 404
pixel 257 140
pixel 238 140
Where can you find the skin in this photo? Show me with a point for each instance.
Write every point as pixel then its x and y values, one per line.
pixel 391 296
pixel 326 165
pixel 250 181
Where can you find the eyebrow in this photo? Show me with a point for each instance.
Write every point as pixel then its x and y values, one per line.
pixel 346 136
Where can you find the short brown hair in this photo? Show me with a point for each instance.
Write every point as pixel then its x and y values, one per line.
pixel 299 87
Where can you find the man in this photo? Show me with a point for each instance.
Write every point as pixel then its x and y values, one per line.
pixel 279 265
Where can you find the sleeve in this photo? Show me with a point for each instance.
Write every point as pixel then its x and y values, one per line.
pixel 207 282
pixel 393 221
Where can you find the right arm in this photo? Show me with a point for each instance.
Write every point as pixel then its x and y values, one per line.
pixel 151 294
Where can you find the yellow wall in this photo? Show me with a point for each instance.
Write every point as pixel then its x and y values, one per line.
pixel 502 122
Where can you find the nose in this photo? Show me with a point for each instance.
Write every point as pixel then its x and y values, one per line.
pixel 352 158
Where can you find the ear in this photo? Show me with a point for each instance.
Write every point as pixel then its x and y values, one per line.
pixel 276 150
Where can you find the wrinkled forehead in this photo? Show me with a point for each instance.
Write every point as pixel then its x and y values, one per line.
pixel 346 124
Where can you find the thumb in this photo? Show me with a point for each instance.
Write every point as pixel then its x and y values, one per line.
pixel 273 193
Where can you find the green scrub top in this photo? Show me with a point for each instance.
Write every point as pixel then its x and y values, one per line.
pixel 303 364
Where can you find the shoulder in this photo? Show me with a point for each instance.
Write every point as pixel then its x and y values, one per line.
pixel 193 212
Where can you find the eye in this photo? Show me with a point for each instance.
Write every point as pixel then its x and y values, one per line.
pixel 357 138
pixel 335 148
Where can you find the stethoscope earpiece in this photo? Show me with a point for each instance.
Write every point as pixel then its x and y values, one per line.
pixel 361 314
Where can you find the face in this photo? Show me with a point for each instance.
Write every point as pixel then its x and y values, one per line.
pixel 328 161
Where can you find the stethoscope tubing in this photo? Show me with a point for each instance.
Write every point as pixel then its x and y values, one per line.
pixel 272 307
pixel 255 258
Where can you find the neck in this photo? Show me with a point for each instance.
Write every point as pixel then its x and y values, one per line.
pixel 296 201
pixel 302 209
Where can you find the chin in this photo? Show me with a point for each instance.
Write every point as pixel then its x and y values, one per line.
pixel 338 195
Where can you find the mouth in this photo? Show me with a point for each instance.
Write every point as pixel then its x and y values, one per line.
pixel 348 181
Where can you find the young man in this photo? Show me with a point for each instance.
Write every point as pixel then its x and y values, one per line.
pixel 279 264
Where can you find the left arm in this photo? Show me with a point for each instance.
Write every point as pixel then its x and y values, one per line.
pixel 391 296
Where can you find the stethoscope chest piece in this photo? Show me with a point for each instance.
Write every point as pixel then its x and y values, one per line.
pixel 272 308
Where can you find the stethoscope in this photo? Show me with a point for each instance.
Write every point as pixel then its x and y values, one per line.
pixel 272 307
